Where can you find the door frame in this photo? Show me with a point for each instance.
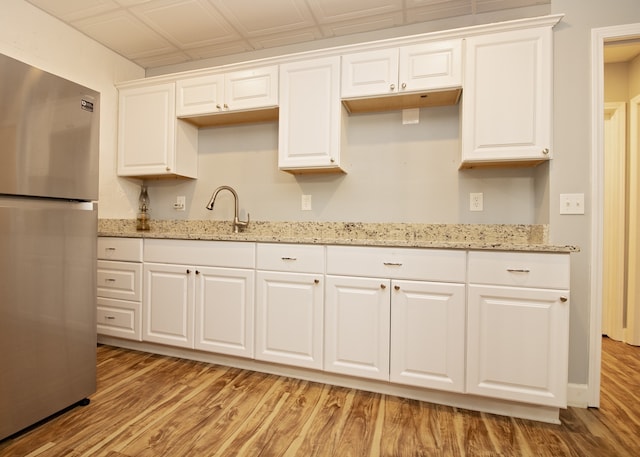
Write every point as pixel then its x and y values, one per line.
pixel 599 36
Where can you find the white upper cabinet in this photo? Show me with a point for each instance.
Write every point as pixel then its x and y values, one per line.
pixel 220 93
pixel 151 140
pixel 507 109
pixel 433 66
pixel 310 116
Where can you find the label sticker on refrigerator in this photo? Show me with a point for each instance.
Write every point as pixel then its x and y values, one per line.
pixel 86 105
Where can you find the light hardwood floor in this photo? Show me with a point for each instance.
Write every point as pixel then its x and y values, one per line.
pixel 150 405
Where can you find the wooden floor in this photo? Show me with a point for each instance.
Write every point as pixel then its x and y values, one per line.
pixel 149 405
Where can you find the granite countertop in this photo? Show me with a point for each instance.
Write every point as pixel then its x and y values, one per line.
pixel 498 237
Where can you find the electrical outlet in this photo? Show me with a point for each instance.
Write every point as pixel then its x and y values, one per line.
pixel 180 204
pixel 571 203
pixel 475 201
pixel 305 203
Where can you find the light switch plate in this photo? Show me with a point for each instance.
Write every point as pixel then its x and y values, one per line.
pixel 571 203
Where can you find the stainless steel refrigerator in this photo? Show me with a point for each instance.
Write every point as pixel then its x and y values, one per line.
pixel 49 130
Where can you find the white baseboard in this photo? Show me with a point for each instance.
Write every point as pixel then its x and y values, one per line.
pixel 578 395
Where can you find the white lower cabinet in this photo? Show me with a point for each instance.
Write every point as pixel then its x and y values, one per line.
pixel 518 329
pixel 289 306
pixel 119 288
pixel 407 331
pixel 428 335
pixel 196 305
pixel 357 315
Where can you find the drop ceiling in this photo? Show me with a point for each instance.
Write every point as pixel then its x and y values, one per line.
pixel 155 33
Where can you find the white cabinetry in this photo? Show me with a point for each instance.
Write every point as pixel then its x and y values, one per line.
pixel 199 294
pixel 244 90
pixel 403 320
pixel 289 304
pixel 151 140
pixel 518 326
pixel 310 131
pixel 432 66
pixel 507 100
pixel 119 281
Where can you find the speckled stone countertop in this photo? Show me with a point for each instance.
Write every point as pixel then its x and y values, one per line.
pixel 497 237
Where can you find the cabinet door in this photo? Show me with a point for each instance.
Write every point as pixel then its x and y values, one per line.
pixel 370 73
pixel 146 133
pixel 251 89
pixel 151 140
pixel 201 95
pixel 168 304
pixel 517 344
pixel 436 65
pixel 224 310
pixel 506 113
pixel 310 115
pixel 428 335
pixel 289 317
pixel 357 319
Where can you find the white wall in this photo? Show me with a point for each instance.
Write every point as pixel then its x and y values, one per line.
pixel 34 37
pixel 570 168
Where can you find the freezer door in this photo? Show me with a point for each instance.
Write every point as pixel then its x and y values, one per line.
pixel 47 308
pixel 49 129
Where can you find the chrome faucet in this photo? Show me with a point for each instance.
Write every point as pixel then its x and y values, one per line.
pixel 237 224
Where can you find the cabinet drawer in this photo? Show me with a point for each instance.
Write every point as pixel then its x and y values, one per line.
pixel 291 257
pixel 230 254
pixel 125 249
pixel 525 269
pixel 119 318
pixel 397 263
pixel 120 280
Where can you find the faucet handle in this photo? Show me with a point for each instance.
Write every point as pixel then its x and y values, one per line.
pixel 237 223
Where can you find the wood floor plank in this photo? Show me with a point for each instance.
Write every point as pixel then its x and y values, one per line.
pixel 149 405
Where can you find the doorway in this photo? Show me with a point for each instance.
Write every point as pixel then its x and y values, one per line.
pixel 599 39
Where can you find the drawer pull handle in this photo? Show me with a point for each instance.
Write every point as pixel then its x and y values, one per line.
pixel 563 299
pixel 518 270
pixel 110 249
pixel 109 280
pixel 316 281
pixel 392 264
pixel 109 318
pixel 289 258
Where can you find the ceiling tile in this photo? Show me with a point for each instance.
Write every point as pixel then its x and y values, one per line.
pixel 286 38
pixel 186 23
pixel 172 58
pixel 362 25
pixel 485 6
pixel 434 10
pixel 218 50
pixel 133 38
pixel 273 17
pixel 341 10
pixel 71 10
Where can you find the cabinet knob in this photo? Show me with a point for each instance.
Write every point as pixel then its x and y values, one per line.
pixel 564 299
pixel 168 168
pixel 218 106
pixel 188 271
pixel 316 281
pixel 382 286
pixel 332 160
pixel 545 151
pixel 404 85
pixel 226 106
pixel 197 272
pixel 396 287
pixel 392 87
